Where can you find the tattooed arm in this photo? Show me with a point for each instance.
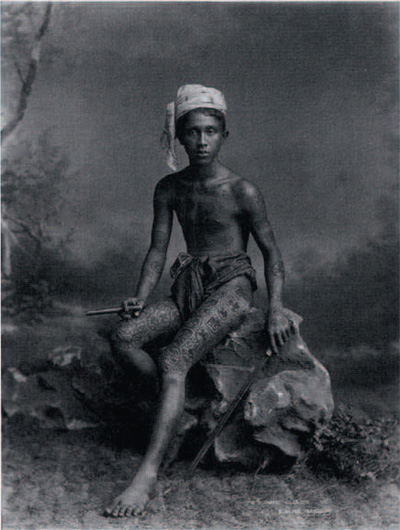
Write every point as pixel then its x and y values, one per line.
pixel 278 325
pixel 154 261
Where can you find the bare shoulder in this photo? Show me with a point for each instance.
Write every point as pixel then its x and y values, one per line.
pixel 165 188
pixel 248 193
pixel 165 183
pixel 245 187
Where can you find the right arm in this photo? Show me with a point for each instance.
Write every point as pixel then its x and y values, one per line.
pixel 154 262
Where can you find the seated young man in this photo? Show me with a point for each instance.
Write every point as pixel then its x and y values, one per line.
pixel 213 282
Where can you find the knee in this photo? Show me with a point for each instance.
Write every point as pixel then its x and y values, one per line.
pixel 122 334
pixel 240 304
pixel 172 364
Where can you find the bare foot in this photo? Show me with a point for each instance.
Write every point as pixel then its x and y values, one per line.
pixel 134 499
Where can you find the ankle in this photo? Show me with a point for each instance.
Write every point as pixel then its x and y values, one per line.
pixel 148 471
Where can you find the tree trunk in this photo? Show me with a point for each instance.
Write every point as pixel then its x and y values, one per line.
pixel 27 82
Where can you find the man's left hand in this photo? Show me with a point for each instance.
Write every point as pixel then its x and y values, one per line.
pixel 278 329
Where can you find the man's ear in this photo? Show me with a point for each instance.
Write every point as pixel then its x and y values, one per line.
pixel 225 134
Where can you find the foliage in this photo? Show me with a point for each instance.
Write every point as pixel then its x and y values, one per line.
pixel 34 208
pixel 31 298
pixel 19 25
pixel 33 195
pixel 355 450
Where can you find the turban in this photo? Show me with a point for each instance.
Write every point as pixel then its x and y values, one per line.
pixel 189 97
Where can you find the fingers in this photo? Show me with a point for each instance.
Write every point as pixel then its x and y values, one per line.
pixel 279 337
pixel 125 316
pixel 132 301
pixel 140 306
pixel 131 308
pixel 277 341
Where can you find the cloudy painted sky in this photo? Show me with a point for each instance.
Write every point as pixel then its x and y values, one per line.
pixel 312 96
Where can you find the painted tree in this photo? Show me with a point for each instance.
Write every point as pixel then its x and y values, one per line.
pixel 34 204
pixel 34 171
pixel 23 27
pixel 34 183
pixel 21 47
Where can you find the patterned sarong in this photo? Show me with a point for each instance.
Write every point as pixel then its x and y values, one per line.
pixel 197 278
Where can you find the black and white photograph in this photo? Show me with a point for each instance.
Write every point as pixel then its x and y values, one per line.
pixel 200 265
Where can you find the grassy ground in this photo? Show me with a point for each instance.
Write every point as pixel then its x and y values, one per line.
pixel 63 479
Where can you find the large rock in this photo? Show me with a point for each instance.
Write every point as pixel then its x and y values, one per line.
pixel 290 398
pixel 67 392
pixel 46 398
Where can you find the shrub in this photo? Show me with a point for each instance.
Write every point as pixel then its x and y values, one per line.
pixel 355 450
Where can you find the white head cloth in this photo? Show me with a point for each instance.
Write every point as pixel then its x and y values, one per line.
pixel 189 97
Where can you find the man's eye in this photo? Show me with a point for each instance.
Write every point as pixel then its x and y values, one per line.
pixel 211 131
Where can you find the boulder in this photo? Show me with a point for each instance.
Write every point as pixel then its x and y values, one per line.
pixel 290 398
pixel 65 392
pixel 47 399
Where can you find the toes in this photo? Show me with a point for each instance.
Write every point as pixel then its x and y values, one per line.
pixel 109 511
pixel 128 511
pixel 122 510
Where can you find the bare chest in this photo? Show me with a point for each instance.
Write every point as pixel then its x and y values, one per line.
pixel 209 208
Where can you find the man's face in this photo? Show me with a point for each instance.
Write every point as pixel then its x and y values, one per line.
pixel 202 137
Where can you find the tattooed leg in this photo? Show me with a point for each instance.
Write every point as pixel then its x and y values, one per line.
pixel 129 336
pixel 219 314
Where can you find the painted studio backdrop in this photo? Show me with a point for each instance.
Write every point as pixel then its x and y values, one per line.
pixel 311 91
pixel 312 98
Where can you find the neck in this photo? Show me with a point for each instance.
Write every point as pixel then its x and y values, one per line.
pixel 205 171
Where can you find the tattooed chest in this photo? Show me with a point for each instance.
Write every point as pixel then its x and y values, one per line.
pixel 204 215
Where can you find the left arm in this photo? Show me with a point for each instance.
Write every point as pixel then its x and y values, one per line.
pixel 278 325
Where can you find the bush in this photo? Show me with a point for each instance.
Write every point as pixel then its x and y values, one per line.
pixel 30 298
pixel 355 450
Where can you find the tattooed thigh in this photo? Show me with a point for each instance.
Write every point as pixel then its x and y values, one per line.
pixel 161 318
pixel 209 325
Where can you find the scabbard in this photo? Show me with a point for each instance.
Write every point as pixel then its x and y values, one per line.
pixel 224 419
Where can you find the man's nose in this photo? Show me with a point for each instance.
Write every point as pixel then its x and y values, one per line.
pixel 202 138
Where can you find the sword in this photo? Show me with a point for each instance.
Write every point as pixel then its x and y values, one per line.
pixel 228 413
